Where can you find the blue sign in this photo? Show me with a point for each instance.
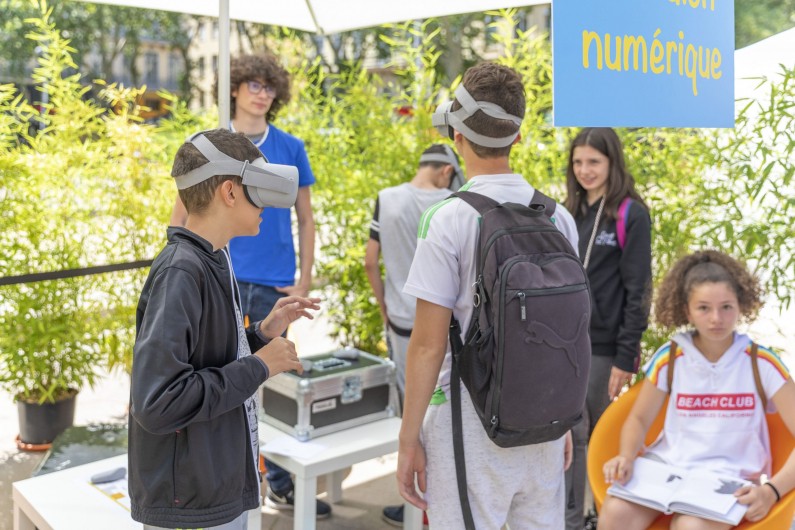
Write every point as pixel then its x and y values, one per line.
pixel 643 63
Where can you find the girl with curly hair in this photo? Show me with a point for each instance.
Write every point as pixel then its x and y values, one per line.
pixel 710 292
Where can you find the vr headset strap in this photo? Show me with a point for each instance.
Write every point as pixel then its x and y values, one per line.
pixel 468 108
pixel 222 164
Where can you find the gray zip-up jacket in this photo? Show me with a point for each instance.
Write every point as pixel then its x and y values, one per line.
pixel 190 458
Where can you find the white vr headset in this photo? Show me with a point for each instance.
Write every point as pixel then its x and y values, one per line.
pixel 264 184
pixel 445 121
pixel 457 179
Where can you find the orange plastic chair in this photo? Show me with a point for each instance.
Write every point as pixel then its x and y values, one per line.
pixel 604 446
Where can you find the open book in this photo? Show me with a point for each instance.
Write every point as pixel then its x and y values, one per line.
pixel 671 489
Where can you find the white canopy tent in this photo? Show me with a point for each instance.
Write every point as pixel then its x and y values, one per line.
pixel 324 17
pixel 762 59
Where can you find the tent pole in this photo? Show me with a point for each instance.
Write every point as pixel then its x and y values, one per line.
pixel 320 31
pixel 224 89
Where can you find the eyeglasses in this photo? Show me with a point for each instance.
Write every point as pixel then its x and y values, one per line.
pixel 255 87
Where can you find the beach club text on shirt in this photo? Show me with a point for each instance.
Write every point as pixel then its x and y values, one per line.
pixel 643 63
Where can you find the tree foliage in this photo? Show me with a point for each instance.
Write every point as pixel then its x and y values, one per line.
pixel 87 188
pixel 100 34
pixel 462 40
pixel 755 20
pixel 92 186
pixel 107 32
pixel 753 192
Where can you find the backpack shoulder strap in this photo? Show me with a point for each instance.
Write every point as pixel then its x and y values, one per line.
pixel 479 202
pixel 757 377
pixel 458 426
pixel 621 221
pixel 548 203
pixel 671 361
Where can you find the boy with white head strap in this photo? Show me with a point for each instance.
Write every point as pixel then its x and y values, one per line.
pixel 521 486
pixel 266 264
pixel 446 121
pixel 265 185
pixel 393 238
pixel 446 157
pixel 196 365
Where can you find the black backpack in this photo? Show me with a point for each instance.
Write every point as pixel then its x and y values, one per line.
pixel 527 352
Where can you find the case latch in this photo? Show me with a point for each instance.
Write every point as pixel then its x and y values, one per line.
pixel 351 389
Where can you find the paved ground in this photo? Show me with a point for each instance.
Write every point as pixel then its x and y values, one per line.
pixel 367 488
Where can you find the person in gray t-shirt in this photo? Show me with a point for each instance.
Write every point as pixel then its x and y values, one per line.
pixel 393 234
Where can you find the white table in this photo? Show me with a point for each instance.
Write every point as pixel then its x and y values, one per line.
pixel 345 448
pixel 65 500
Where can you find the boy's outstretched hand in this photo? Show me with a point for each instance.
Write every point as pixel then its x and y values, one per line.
pixel 279 356
pixel 287 310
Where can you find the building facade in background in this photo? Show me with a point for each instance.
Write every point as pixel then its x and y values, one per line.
pixel 186 64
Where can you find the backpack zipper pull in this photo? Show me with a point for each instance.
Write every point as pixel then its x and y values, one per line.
pixel 522 305
pixel 493 429
pixel 479 293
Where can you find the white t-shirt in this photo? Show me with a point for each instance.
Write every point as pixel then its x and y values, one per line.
pixel 443 269
pixel 714 418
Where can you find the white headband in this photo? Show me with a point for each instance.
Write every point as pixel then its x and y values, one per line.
pixel 445 120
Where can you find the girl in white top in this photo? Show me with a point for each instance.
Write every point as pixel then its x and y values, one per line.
pixel 711 292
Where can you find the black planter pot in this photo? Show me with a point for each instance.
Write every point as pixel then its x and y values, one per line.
pixel 40 424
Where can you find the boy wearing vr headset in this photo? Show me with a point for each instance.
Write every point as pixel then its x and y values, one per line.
pixel 193 446
pixel 520 486
pixel 266 263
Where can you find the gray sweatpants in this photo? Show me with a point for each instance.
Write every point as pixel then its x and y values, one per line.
pixel 520 486
pixel 596 401
pixel 398 346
